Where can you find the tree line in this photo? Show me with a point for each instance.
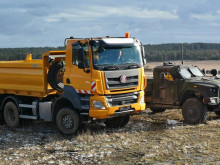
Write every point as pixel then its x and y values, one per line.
pixel 10 54
pixel 156 52
pixel 191 51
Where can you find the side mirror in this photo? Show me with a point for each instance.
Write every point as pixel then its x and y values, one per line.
pixel 145 61
pixel 143 52
pixel 100 49
pixel 81 65
pixel 80 54
pixel 94 43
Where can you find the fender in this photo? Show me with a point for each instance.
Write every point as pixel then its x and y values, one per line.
pixel 10 97
pixel 69 97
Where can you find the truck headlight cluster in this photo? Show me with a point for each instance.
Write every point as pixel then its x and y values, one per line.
pixel 213 100
pixel 142 100
pixel 98 104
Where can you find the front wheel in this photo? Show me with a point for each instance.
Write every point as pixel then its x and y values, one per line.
pixel 117 122
pixel 194 111
pixel 67 121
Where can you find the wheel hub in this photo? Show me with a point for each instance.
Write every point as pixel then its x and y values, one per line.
pixel 67 121
pixel 191 111
pixel 12 115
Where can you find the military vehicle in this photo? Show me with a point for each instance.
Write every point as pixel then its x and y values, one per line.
pixel 186 87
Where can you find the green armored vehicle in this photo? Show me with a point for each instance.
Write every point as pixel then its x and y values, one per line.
pixel 181 86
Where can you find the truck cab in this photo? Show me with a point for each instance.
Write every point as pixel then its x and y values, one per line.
pixel 183 87
pixel 105 76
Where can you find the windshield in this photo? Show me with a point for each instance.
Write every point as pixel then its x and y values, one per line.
pixel 196 72
pixel 120 57
pixel 185 73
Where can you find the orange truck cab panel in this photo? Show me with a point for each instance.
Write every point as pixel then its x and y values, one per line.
pixel 108 73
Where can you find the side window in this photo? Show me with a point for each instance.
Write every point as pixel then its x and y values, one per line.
pixel 80 54
pixel 166 76
pixel 76 51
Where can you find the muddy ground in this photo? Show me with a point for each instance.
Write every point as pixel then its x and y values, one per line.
pixel 147 139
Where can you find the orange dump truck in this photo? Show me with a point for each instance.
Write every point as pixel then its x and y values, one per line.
pixel 93 79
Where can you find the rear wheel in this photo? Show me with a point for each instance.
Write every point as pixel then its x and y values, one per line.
pixel 11 115
pixel 67 121
pixel 1 118
pixel 194 111
pixel 157 110
pixel 117 122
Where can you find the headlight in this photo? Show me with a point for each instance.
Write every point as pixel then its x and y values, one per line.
pixel 98 104
pixel 213 101
pixel 142 100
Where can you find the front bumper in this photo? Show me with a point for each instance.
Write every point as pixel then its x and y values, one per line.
pixel 111 111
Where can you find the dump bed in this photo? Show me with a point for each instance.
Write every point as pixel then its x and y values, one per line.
pixel 27 77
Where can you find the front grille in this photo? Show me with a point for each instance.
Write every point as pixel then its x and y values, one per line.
pixel 122 99
pixel 113 79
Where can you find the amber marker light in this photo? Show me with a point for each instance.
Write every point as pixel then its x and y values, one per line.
pixel 127 35
pixel 195 86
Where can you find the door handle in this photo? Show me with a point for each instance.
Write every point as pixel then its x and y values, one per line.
pixel 68 81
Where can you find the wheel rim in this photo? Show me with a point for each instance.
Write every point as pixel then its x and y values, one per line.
pixel 67 121
pixel 193 112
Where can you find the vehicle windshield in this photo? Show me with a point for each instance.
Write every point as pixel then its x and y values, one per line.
pixel 196 72
pixel 185 73
pixel 117 58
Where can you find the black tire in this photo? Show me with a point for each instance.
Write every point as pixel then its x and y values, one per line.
pixel 157 110
pixel 11 115
pixel 1 118
pixel 67 121
pixel 117 122
pixel 194 111
pixel 55 75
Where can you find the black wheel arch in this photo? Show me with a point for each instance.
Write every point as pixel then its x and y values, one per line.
pixel 189 94
pixel 12 98
pixel 69 98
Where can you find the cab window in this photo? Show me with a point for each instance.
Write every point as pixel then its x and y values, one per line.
pixel 80 50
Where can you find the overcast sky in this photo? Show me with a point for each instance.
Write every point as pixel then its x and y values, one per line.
pixel 42 23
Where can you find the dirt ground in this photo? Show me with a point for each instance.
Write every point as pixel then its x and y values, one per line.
pixel 147 139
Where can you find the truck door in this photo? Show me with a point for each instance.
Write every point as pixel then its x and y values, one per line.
pixel 80 75
pixel 168 88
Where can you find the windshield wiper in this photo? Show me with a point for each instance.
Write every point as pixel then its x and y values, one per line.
pixel 113 67
pixel 132 65
pixel 108 67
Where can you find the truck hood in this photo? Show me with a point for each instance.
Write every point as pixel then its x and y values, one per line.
pixel 207 81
